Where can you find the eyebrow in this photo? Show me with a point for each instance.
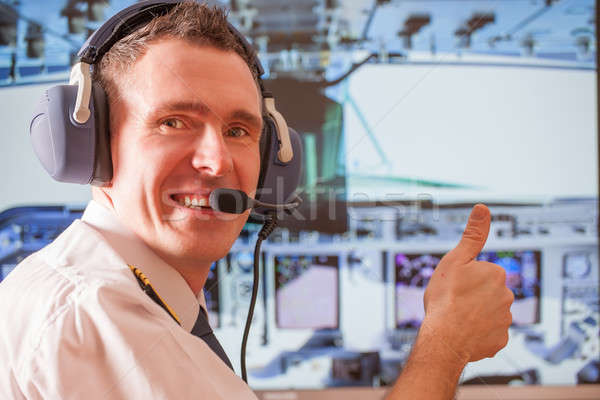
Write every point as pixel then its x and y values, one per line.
pixel 202 109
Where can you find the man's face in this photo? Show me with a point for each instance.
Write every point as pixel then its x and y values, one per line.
pixel 187 121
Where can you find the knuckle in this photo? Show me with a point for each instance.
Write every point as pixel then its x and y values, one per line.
pixel 500 274
pixel 509 319
pixel 510 297
pixel 473 233
pixel 500 343
pixel 504 321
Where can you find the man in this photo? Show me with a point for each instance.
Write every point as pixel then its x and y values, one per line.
pixel 185 118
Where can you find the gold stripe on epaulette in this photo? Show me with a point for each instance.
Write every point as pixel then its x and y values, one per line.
pixel 140 275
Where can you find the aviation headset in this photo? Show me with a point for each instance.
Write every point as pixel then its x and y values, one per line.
pixel 70 131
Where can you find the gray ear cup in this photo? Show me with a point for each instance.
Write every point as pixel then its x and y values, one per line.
pixel 103 170
pixel 278 181
pixel 64 147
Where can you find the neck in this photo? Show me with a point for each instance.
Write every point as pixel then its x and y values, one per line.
pixel 194 273
pixel 101 197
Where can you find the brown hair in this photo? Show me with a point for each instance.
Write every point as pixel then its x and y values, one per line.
pixel 191 21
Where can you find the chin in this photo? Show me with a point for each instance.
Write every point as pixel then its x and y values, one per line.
pixel 194 240
pixel 205 255
pixel 203 248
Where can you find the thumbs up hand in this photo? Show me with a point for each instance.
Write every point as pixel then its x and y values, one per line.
pixel 467 303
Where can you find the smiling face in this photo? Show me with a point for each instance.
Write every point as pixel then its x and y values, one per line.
pixel 187 120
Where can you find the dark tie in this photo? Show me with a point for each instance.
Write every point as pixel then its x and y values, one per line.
pixel 203 331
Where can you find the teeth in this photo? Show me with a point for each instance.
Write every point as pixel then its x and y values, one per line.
pixel 193 202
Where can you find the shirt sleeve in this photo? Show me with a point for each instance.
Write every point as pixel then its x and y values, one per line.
pixel 108 343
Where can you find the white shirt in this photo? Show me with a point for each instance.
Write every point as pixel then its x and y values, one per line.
pixel 75 324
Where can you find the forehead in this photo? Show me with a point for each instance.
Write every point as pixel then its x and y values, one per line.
pixel 176 71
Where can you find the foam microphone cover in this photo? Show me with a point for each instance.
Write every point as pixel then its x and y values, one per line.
pixel 229 200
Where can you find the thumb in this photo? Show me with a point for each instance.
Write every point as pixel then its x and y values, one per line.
pixel 474 236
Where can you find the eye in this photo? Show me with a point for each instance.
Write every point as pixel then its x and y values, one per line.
pixel 236 132
pixel 173 123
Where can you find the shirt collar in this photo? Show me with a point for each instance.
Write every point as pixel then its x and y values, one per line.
pixel 167 282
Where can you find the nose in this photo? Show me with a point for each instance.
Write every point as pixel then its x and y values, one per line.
pixel 211 155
